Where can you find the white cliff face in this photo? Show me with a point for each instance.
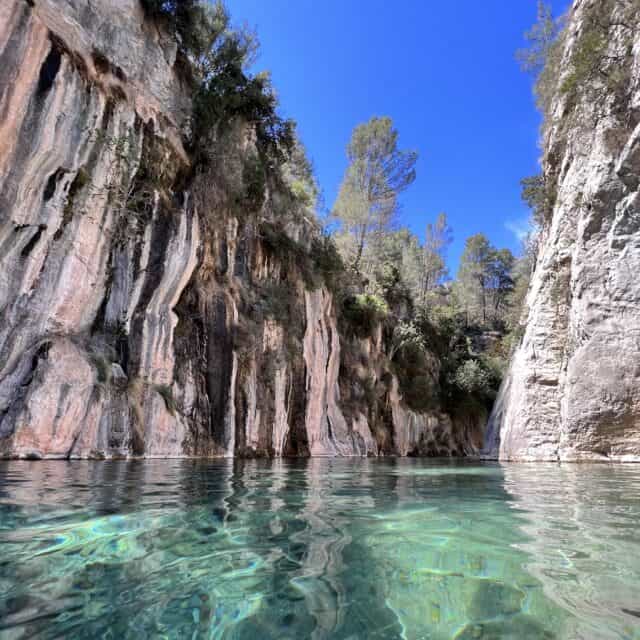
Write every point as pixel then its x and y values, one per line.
pixel 327 429
pixel 136 316
pixel 331 433
pixel 573 389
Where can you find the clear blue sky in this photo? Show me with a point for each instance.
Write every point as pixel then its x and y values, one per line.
pixel 444 71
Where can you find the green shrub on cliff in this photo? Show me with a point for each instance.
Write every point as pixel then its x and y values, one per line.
pixel 471 377
pixel 543 55
pixel 592 71
pixel 363 312
pixel 539 196
pixel 593 63
pixel 217 57
pixel 328 262
pixel 195 24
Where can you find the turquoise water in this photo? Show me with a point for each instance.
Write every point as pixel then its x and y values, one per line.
pixel 350 549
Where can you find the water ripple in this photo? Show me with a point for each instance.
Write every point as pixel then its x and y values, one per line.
pixel 346 549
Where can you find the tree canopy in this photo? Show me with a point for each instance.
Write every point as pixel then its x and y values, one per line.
pixel 484 278
pixel 377 173
pixel 384 278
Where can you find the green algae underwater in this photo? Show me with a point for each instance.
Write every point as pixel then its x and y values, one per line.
pixel 400 548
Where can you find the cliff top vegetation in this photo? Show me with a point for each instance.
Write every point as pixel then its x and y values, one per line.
pixel 380 271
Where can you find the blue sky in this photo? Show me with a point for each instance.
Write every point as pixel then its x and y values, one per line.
pixel 445 73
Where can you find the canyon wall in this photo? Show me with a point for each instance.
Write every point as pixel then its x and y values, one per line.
pixel 141 314
pixel 573 388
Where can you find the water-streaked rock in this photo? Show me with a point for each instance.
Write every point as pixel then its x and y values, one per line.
pixel 141 330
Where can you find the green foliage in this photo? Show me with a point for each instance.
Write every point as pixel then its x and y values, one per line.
pixel 484 279
pixel 543 55
pixel 196 24
pixel 472 378
pixel 585 60
pixel 469 382
pixel 393 261
pixel 540 197
pixel 418 385
pixel 473 275
pixel 595 71
pixel 363 313
pixel 277 242
pixel 321 264
pixel 407 336
pixel 300 177
pixel 279 302
pixel 396 266
pixel 299 191
pixel 593 66
pixel 500 280
pixel 252 194
pixel 327 261
pixel 378 172
pixel 541 38
pixel 273 177
pixel 434 358
pixel 438 236
pixel 390 284
pixel 217 58
pixel 415 366
pixel 229 93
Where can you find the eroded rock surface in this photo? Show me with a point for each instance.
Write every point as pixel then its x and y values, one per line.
pixel 573 389
pixel 138 318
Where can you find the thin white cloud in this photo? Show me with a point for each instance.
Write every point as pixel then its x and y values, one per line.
pixel 520 228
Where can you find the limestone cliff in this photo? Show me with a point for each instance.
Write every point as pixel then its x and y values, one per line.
pixel 573 389
pixel 141 313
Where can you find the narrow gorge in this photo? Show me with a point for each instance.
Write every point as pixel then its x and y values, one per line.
pixel 154 305
pixel 150 309
pixel 317 379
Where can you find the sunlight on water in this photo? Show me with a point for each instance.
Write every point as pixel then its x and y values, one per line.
pixel 406 549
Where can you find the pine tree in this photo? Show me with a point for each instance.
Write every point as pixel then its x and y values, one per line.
pixel 438 237
pixel 473 275
pixel 377 173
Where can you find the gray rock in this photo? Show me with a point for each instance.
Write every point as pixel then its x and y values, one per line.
pixel 573 388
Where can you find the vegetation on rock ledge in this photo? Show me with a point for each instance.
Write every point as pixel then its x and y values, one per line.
pixel 447 341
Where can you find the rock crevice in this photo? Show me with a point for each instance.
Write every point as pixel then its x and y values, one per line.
pixel 145 317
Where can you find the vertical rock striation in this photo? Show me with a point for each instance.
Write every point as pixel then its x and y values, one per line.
pixel 573 388
pixel 142 315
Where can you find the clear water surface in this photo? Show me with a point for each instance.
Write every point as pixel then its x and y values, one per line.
pixel 350 549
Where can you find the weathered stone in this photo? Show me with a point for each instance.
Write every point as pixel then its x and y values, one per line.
pixel 142 331
pixel 573 388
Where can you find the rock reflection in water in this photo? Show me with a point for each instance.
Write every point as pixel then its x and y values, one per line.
pixel 584 543
pixel 320 548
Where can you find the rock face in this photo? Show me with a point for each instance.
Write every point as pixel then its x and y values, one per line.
pixel 573 389
pixel 140 317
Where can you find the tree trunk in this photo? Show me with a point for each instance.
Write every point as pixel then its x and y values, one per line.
pixel 356 264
